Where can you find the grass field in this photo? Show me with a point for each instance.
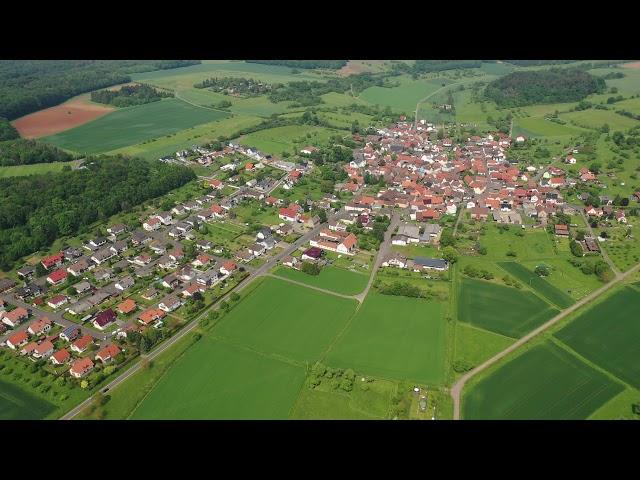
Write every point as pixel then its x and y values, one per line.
pixel 17 404
pixel 281 139
pixel 539 127
pixel 170 144
pixel 528 244
pixel 214 380
pixel 596 118
pixel 128 126
pixel 330 278
pixel 538 284
pixel 287 320
pixel 474 345
pixel 608 334
pixel 501 309
pixel 405 96
pixel 619 407
pixel 33 169
pixel 544 383
pixel 567 278
pixel 395 337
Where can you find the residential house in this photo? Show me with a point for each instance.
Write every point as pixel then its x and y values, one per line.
pixel 57 301
pixel 81 344
pixel 60 357
pixel 17 340
pixel 43 350
pixel 81 367
pixel 57 277
pixel 108 353
pixel 169 303
pixel 104 319
pixel 40 326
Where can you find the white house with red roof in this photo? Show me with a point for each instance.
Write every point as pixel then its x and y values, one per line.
pixel 57 277
pixel 81 367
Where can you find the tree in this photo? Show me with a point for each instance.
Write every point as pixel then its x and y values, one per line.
pixel 234 297
pixel 576 249
pixel 542 270
pixel 450 254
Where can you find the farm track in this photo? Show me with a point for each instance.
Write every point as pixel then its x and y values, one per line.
pixel 456 389
pixel 313 287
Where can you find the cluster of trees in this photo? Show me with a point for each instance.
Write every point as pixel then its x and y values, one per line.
pixel 130 95
pixel 427 66
pixel 35 210
pixel 146 340
pixel 613 75
pixel 403 289
pixel 543 86
pixel 340 379
pixel 511 282
pixel 310 268
pixel 27 86
pixel 600 268
pixel 230 85
pixel 473 272
pixel 7 131
pixel 306 64
pixel 27 152
pixel 538 63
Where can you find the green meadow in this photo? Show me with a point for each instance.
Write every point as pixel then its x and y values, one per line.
pixel 330 278
pixel 538 284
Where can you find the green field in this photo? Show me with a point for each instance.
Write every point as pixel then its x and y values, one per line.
pixel 214 380
pixel 608 334
pixel 286 319
pixel 596 118
pixel 17 404
pixel 527 244
pixel 539 127
pixel 128 126
pixel 544 383
pixel 474 345
pixel 330 278
pixel 538 284
pixel 501 309
pixel 281 139
pixel 566 277
pixel 33 169
pixel 405 96
pixel 395 337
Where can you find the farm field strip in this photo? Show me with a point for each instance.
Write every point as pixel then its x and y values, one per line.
pixel 538 284
pixel 330 278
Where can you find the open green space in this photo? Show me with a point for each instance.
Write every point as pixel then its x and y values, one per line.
pixel 18 404
pixel 539 127
pixel 608 334
pixel 405 96
pixel 592 118
pixel 282 139
pixel 395 337
pixel 544 383
pixel 619 407
pixel 501 309
pixel 538 284
pixel 214 380
pixel 33 169
pixel 566 277
pixel 330 278
pixel 128 126
pixel 527 244
pixel 474 345
pixel 286 319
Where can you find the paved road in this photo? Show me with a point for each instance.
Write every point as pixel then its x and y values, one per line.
pixel 605 255
pixel 53 316
pixel 263 270
pixel 382 254
pixel 456 390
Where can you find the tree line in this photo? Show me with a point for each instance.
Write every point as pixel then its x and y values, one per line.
pixel 27 86
pixel 28 152
pixel 35 210
pixel 305 64
pixel 543 86
pixel 227 85
pixel 130 95
pixel 7 131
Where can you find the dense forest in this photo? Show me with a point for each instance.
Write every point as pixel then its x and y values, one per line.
pixel 538 63
pixel 37 209
pixel 331 64
pixel 235 86
pixel 7 131
pixel 427 66
pixel 27 86
pixel 543 86
pixel 27 152
pixel 130 95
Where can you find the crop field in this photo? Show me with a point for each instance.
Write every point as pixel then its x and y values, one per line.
pixel 169 144
pixel 468 111
pixel 330 278
pixel 608 334
pixel 259 105
pixel 395 337
pixel 544 383
pixel 501 309
pixel 287 320
pixel 538 284
pixel 214 380
pixel 128 126
pixel 281 139
pixel 474 345
pixel 539 127
pixel 17 404
pixel 405 96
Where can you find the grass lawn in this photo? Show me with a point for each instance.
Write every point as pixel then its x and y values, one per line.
pixel 33 169
pixel 619 407
pixel 528 244
pixel 395 337
pixel 131 125
pixel 592 118
pixel 544 383
pixel 475 345
pixel 330 278
pixel 538 284
pixel 608 334
pixel 18 404
pixel 539 127
pixel 282 139
pixel 286 319
pixel 214 380
pixel 568 278
pixel 624 251
pixel 501 309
